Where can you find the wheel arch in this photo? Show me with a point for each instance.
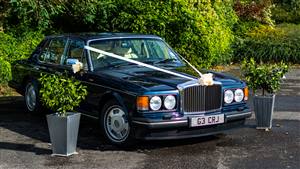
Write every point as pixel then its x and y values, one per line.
pixel 111 95
pixel 26 79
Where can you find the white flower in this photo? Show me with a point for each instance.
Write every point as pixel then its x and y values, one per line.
pixel 206 79
pixel 77 67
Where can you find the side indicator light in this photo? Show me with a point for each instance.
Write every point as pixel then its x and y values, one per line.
pixel 246 92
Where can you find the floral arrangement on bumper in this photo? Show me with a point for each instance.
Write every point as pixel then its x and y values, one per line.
pixel 61 93
pixel 263 77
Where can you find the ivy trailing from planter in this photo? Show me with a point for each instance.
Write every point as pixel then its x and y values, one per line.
pixel 61 93
pixel 265 77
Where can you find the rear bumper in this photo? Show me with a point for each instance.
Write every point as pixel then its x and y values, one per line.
pixel 178 129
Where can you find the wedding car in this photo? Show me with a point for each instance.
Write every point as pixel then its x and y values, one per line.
pixel 138 86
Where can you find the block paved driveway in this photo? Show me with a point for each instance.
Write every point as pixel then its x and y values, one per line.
pixel 24 142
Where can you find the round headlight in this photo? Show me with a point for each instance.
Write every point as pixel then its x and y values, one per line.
pixel 228 96
pixel 238 95
pixel 155 103
pixel 170 102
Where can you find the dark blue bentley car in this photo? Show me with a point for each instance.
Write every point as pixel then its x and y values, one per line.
pixel 132 101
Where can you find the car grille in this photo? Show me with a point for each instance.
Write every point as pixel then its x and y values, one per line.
pixel 202 98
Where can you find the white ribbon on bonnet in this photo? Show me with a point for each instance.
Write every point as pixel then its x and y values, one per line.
pixel 205 79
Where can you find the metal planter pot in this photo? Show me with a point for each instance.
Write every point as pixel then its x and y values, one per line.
pixel 263 108
pixel 63 133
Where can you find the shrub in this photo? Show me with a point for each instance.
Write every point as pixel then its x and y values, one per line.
pixel 60 93
pixel 7 45
pixel 254 10
pixel 5 71
pixel 199 30
pixel 267 44
pixel 26 15
pixel 286 11
pixel 263 76
pixel 241 28
pixel 15 48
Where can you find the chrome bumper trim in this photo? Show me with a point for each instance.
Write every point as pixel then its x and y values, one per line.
pixel 184 122
pixel 177 123
pixel 239 115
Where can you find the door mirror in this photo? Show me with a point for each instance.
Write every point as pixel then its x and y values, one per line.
pixel 76 65
pixel 71 61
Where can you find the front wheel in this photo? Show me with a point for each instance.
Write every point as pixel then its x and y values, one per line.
pixel 115 125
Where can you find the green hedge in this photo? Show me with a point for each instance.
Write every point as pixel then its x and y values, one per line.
pixel 5 71
pixel 286 11
pixel 201 30
pixel 269 44
pixel 15 48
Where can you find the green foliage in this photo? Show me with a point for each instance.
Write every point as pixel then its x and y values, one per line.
pixel 15 48
pixel 263 76
pixel 205 32
pixel 60 93
pixel 243 27
pixel 201 31
pixel 26 15
pixel 286 11
pixel 255 10
pixel 268 44
pixel 5 71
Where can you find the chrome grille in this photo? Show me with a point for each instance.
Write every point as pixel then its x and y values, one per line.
pixel 202 98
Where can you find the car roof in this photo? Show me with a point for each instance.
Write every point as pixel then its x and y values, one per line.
pixel 105 35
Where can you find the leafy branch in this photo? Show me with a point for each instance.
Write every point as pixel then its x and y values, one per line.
pixel 60 93
pixel 263 76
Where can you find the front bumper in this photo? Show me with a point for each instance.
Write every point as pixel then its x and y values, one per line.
pixel 177 129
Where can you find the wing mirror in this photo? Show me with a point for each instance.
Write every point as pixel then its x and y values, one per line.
pixel 72 61
pixel 76 64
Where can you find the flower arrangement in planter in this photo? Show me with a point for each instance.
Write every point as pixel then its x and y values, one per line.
pixel 264 80
pixel 62 94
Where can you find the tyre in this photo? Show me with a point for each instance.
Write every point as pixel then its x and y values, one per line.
pixel 115 126
pixel 31 97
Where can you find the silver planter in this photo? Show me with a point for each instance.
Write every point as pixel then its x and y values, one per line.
pixel 263 108
pixel 63 133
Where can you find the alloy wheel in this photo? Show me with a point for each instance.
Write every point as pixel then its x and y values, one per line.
pixel 116 124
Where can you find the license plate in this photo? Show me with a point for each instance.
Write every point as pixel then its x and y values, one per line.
pixel 206 120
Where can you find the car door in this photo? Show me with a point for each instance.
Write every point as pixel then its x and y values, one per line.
pixel 75 52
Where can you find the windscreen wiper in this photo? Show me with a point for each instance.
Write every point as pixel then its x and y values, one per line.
pixel 122 64
pixel 168 60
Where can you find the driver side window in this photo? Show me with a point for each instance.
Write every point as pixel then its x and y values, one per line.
pixel 75 51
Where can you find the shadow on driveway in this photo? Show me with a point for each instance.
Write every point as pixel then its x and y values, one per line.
pixel 24 147
pixel 14 118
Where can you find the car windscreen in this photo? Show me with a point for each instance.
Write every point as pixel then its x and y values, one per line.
pixel 150 51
